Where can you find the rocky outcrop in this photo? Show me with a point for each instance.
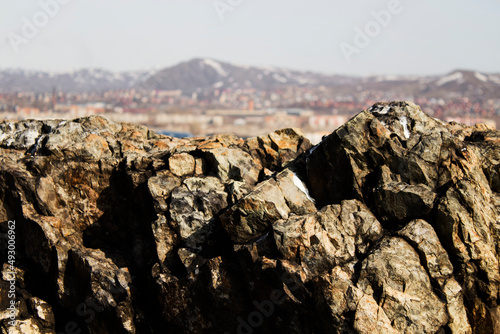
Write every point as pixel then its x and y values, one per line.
pixel 389 225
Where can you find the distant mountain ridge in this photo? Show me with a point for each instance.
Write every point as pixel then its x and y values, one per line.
pixel 84 80
pixel 199 75
pixel 205 74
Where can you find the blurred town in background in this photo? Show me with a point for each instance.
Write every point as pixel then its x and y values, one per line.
pixel 203 96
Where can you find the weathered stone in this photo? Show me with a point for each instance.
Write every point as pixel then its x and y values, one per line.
pixel 390 225
pixel 24 135
pixel 194 204
pixel 389 133
pixel 252 216
pixel 233 164
pixel 109 287
pixel 398 202
pixel 189 259
pixel 393 273
pixel 18 274
pixel 331 237
pixel 200 166
pixel 30 314
pixel 371 318
pixel 295 192
pixel 271 200
pixel 332 290
pixel 182 164
pixel 160 187
pixel 459 322
pixel 424 238
pixel 165 238
pixel 237 190
pixel 27 326
pixel 42 311
pixel 278 148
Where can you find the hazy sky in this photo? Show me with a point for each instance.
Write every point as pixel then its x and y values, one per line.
pixel 419 37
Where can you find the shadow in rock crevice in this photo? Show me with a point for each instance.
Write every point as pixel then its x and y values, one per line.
pixel 124 234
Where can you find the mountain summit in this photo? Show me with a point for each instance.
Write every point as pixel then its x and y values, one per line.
pixel 206 74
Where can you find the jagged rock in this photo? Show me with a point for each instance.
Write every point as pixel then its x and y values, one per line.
pixel 23 135
pixel 331 237
pixel 252 216
pixel 233 164
pixel 109 289
pixel 269 202
pixel 369 316
pixel 389 225
pixel 32 314
pixel 26 326
pixel 459 323
pixel 160 187
pixel 165 238
pixel 182 164
pixel 426 242
pixel 237 190
pixel 405 295
pixel 200 166
pixel 193 206
pixel 398 135
pixel 278 148
pixel 399 201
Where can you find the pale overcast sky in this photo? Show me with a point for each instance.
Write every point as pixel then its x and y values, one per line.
pixel 420 37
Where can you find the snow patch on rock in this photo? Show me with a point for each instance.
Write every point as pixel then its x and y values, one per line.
pixel 404 123
pixel 299 184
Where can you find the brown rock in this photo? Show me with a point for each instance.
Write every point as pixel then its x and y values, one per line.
pixel 331 237
pixel 182 164
pixel 405 294
pixel 400 202
pixel 270 201
pixel 232 163
pixel 252 216
pixel 160 187
pixel 395 134
pixel 193 206
pixel 406 238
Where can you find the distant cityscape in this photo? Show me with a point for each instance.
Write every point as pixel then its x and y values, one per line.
pixel 245 109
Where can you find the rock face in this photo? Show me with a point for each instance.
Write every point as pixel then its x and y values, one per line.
pixel 390 225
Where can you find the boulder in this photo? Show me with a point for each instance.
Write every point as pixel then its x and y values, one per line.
pixel 332 237
pixel 270 201
pixel 405 296
pixel 182 164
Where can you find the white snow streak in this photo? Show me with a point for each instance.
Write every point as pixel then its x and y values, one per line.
pixel 481 77
pixel 457 76
pixel 299 184
pixel 404 123
pixel 216 66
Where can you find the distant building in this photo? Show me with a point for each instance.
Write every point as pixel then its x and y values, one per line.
pixel 330 122
pixel 472 121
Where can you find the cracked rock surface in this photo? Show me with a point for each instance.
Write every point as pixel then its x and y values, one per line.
pixel 390 225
